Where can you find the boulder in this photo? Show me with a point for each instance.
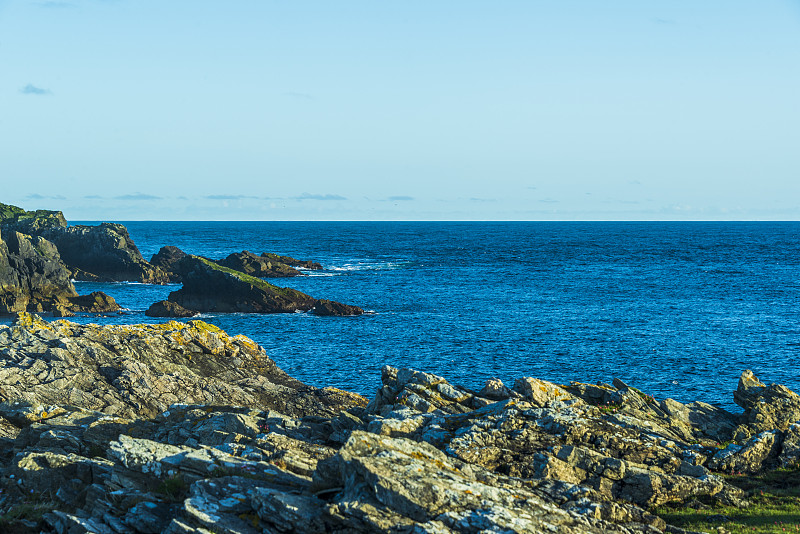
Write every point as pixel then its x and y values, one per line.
pixel 329 308
pixel 165 308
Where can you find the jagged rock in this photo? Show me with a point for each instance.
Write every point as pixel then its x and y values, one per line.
pixel 168 259
pixel 33 278
pixel 790 450
pixel 208 287
pixel 495 389
pixel 330 308
pixel 165 308
pixel 389 482
pixel 106 252
pixel 94 253
pixel 752 457
pixel 540 392
pixel 765 407
pixel 143 369
pixel 263 266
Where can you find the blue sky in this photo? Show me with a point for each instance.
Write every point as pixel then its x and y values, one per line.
pixel 417 110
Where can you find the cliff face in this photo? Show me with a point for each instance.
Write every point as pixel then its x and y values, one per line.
pixel 103 253
pixel 32 275
pixel 33 278
pixel 94 253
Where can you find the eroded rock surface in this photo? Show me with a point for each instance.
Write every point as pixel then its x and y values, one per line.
pixel 140 370
pixel 423 456
pixel 33 278
pixel 95 253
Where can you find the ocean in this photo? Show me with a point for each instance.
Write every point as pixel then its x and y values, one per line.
pixel 676 309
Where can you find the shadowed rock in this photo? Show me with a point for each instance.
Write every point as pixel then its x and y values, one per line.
pixel 33 278
pixel 208 287
pixel 165 308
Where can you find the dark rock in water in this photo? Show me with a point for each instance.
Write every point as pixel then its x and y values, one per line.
pixel 331 308
pixel 292 262
pixel 33 278
pixel 209 287
pixel 264 266
pixel 168 259
pixel 106 252
pixel 103 253
pixel 165 308
pixel 95 302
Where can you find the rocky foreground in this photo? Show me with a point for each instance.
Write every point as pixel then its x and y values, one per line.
pixel 181 428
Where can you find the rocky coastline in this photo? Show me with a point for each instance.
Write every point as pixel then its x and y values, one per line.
pixel 183 428
pixel 42 254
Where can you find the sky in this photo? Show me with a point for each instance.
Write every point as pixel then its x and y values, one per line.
pixel 412 110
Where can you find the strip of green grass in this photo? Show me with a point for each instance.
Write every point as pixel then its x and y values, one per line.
pixel 775 508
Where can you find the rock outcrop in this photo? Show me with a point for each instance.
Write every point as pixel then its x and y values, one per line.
pixel 91 444
pixel 33 278
pixel 266 265
pixel 104 253
pixel 209 287
pixel 141 370
pixel 168 259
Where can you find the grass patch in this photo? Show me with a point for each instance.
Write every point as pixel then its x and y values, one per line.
pixel 173 488
pixel 252 280
pixel 775 508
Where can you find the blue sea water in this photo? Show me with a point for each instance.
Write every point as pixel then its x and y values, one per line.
pixel 675 309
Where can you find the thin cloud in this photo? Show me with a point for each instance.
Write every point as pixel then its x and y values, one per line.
pixel 137 196
pixel 300 96
pixel 228 197
pixel 31 89
pixel 549 201
pixel 400 198
pixel 56 5
pixel 309 196
pixel 93 197
pixel 476 199
pixel 37 196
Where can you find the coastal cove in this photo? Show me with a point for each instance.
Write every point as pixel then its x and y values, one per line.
pixel 679 309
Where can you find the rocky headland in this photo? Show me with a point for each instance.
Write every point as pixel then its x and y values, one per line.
pixel 102 253
pixel 182 428
pixel 34 278
pixel 211 287
pixel 44 254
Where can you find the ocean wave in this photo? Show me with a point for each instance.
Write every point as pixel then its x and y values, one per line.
pixel 369 265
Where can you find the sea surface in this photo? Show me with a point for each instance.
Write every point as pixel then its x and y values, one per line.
pixel 676 309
